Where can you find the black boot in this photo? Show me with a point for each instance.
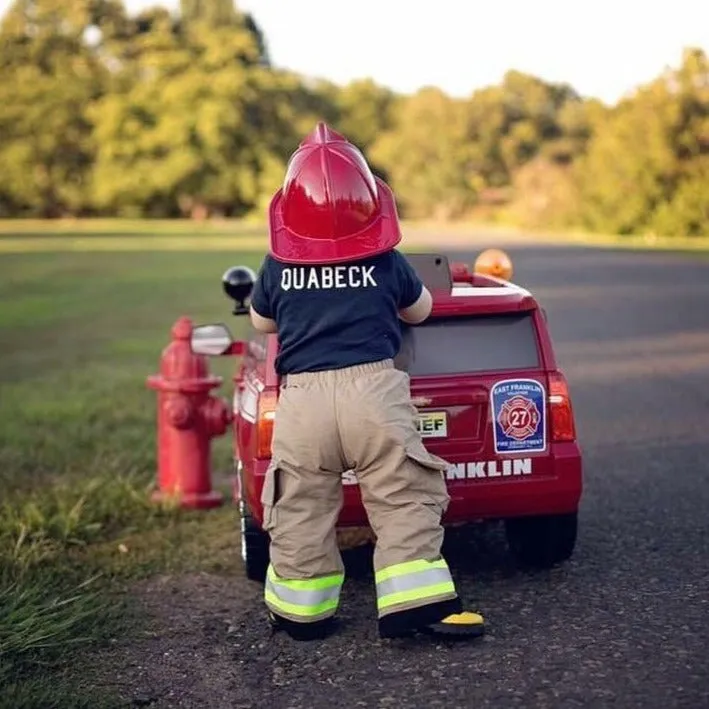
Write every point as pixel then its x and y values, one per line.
pixel 317 630
pixel 443 618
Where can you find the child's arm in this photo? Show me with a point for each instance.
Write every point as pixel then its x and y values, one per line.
pixel 415 302
pixel 261 323
pixel 420 310
pixel 260 307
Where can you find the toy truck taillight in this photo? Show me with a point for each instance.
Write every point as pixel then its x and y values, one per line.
pixel 562 415
pixel 264 423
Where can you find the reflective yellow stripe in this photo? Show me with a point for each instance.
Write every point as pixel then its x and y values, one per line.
pixel 306 598
pixel 418 579
pixel 306 584
pixel 415 594
pixel 297 610
pixel 408 567
pixel 413 581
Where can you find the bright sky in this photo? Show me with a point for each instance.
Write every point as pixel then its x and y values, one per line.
pixel 603 48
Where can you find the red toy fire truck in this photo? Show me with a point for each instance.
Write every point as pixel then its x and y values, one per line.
pixel 491 400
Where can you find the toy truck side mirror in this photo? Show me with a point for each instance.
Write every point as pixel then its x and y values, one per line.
pixel 211 340
pixel 238 282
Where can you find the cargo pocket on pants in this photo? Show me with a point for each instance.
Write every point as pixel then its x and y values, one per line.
pixel 269 495
pixel 433 482
pixel 418 453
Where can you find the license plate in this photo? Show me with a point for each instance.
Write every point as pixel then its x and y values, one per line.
pixel 432 424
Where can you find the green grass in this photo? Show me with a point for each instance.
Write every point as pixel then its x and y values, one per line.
pixel 79 334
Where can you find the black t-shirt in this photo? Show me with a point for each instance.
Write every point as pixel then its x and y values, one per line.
pixel 336 316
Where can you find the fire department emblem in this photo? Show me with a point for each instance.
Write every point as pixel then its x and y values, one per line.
pixel 519 416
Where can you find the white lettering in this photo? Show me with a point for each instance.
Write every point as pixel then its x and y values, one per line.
pixel 340 276
pixel 327 277
pixel 476 470
pixel 313 279
pixel 456 471
pixel 367 276
pixel 522 466
pixel 473 470
pixel 489 469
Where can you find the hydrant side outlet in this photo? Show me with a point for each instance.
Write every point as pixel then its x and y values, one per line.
pixel 217 416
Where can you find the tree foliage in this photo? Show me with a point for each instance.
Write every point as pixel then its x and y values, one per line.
pixel 162 114
pixel 429 169
pixel 646 163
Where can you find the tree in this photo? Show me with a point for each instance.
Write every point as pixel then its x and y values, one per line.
pixel 195 124
pixel 426 154
pixel 220 14
pixel 577 121
pixel 215 13
pixel 365 111
pixel 512 123
pixel 687 212
pixel 158 114
pixel 48 76
pixel 545 195
pixel 645 161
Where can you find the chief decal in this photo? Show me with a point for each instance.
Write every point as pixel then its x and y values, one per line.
pixel 519 416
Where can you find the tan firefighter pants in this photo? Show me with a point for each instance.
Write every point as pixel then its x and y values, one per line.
pixel 360 418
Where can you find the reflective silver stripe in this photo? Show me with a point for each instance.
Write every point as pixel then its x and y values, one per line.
pixel 303 597
pixel 411 581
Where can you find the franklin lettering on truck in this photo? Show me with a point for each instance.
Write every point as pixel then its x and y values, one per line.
pixel 473 470
pixel 491 402
pixel 490 469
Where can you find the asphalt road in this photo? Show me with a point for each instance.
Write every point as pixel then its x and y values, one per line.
pixel 625 623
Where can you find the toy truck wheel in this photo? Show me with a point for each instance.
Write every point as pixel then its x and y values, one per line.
pixel 541 542
pixel 254 546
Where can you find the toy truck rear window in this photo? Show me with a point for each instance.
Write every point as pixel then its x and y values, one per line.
pixel 462 345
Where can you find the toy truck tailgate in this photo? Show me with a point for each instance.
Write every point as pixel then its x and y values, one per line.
pixel 479 384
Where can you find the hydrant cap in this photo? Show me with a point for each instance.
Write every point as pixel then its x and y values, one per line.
pixel 182 329
pixel 178 361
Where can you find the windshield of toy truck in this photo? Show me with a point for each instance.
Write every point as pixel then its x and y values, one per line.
pixel 460 345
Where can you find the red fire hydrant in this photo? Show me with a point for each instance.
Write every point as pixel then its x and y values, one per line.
pixel 188 418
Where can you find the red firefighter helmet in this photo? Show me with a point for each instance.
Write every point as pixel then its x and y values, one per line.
pixel 331 207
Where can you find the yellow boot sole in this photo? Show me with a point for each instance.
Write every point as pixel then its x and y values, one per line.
pixel 466 624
